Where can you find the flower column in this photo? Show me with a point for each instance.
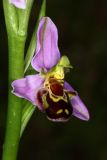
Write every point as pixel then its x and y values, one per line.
pixel 16 24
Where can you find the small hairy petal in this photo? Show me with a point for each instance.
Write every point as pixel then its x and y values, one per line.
pixel 47 53
pixel 28 87
pixel 79 108
pixel 19 3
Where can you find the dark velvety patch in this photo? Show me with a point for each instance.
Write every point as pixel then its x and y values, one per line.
pixel 56 87
pixel 58 110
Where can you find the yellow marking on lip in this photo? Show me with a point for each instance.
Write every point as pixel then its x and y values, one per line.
pixel 46 105
pixel 66 111
pixel 59 111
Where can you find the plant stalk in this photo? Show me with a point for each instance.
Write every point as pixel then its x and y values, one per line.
pixel 15 71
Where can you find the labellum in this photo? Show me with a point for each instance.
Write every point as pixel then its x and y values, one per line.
pixel 55 100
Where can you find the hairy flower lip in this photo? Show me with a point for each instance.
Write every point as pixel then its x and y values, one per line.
pixel 60 110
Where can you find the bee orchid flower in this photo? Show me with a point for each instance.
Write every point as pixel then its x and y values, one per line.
pixel 19 3
pixel 48 89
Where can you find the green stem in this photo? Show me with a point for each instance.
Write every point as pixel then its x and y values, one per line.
pixel 16 23
pixel 16 69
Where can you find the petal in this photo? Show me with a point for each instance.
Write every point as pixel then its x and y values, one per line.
pixel 19 3
pixel 28 87
pixel 47 53
pixel 79 109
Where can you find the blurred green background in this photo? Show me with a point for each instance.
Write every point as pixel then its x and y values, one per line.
pixel 82 27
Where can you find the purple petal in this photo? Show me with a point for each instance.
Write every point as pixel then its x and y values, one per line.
pixel 79 109
pixel 47 53
pixel 19 3
pixel 28 87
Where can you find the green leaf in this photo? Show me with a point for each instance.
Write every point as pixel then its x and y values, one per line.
pixel 27 112
pixel 32 45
